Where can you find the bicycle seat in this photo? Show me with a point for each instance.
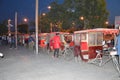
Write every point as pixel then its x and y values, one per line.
pixel 113 52
pixel 98 51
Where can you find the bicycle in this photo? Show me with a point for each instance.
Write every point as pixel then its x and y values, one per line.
pixel 112 56
pixel 115 61
pixel 67 53
pixel 98 59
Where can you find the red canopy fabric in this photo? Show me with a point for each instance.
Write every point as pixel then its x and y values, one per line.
pixel 104 30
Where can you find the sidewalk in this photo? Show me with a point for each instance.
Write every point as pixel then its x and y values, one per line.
pixel 24 64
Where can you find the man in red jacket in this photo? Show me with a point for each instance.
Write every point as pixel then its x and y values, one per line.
pixel 56 44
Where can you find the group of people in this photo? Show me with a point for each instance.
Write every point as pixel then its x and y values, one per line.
pixel 12 41
pixel 27 41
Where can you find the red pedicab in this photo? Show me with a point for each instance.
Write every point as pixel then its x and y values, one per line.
pixel 65 47
pixel 88 41
pixel 66 44
pixel 42 40
pixel 52 34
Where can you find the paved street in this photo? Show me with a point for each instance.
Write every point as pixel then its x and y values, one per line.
pixel 24 64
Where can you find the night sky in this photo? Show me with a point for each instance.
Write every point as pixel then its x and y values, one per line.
pixel 26 8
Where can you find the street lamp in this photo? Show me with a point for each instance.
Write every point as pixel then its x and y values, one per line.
pixel 36 26
pixel 49 7
pixel 85 21
pixel 25 19
pixel 16 26
pixel 106 22
pixel 82 18
pixel 43 14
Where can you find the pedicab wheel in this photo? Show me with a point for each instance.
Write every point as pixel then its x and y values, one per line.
pixel 116 65
pixel 68 55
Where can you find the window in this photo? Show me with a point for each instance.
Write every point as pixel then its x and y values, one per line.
pixel 77 39
pixel 95 38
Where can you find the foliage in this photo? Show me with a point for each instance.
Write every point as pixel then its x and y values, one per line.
pixel 67 15
pixel 23 28
pixel 3 27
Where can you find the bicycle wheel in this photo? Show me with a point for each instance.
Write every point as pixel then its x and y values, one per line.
pixel 116 64
pixel 68 55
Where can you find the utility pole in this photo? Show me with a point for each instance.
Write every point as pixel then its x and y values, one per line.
pixel 36 30
pixel 16 28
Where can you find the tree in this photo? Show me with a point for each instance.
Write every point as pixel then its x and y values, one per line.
pixel 23 28
pixel 3 27
pixel 67 15
pixel 94 11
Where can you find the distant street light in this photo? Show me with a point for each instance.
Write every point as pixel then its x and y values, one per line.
pixel 49 7
pixel 85 22
pixel 16 24
pixel 82 18
pixel 36 24
pixel 43 14
pixel 106 22
pixel 25 19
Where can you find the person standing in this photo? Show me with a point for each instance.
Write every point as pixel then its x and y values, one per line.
pixel 31 42
pixel 12 43
pixel 56 44
pixel 118 44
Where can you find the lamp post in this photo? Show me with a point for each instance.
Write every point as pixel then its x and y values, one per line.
pixel 16 28
pixel 82 18
pixel 25 19
pixel 43 14
pixel 36 30
pixel 49 7
pixel 16 24
pixel 85 22
pixel 36 25
pixel 106 24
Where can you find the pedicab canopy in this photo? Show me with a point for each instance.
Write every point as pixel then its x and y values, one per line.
pixel 104 30
pixel 42 34
pixel 108 33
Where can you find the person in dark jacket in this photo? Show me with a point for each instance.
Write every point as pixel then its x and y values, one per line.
pixel 13 41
